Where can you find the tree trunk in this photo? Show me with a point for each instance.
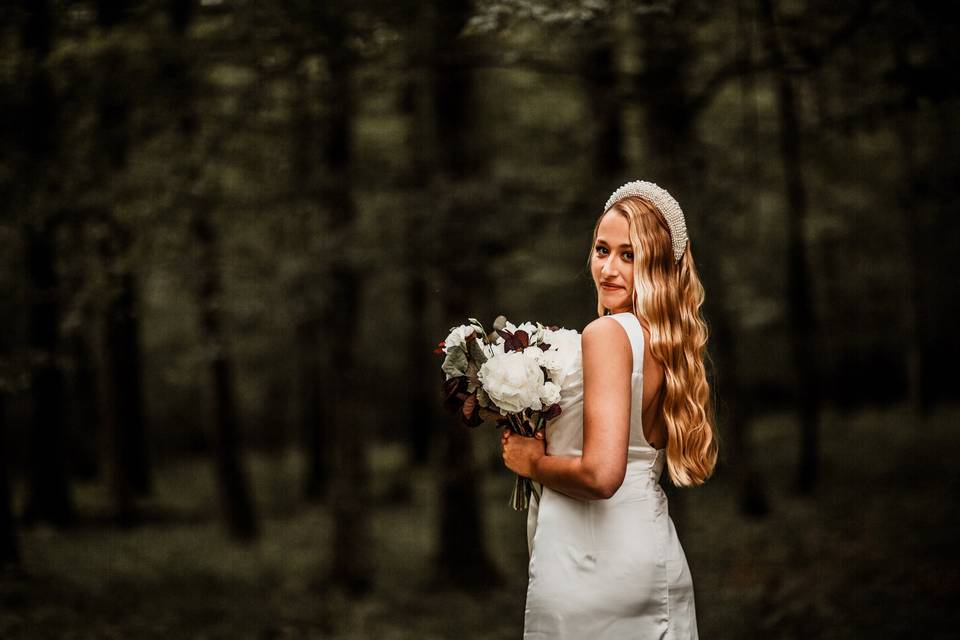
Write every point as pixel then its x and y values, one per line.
pixel 49 497
pixel 424 396
pixel 231 477
pixel 315 409
pixel 123 507
pixel 799 297
pixel 352 562
pixel 9 545
pixel 739 413
pixel 315 399
pixel 121 395
pixel 913 218
pixel 421 411
pixel 49 491
pixel 124 353
pixel 463 557
pixel 235 497
pixel 85 407
pixel 122 325
pixel 600 75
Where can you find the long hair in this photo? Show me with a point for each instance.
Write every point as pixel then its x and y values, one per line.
pixel 667 296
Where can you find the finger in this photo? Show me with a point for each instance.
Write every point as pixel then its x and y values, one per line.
pixel 538 435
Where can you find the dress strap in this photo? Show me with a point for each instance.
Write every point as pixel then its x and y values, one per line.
pixel 631 324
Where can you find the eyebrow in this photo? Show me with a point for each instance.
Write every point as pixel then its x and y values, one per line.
pixel 623 246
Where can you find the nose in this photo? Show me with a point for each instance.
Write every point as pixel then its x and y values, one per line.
pixel 607 268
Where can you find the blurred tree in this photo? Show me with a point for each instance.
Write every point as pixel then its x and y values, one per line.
pixel 753 496
pixel 352 562
pixel 234 488
pixel 909 189
pixel 122 388
pixel 600 75
pixel 9 546
pixel 464 282
pixel 307 188
pixel 49 495
pixel 236 499
pixel 417 109
pixel 924 48
pixel 84 403
pixel 800 304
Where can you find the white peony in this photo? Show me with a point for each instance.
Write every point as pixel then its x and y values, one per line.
pixel 549 394
pixel 534 352
pixel 458 337
pixel 563 356
pixel 513 381
pixel 492 350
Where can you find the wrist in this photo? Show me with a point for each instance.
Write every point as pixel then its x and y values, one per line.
pixel 535 468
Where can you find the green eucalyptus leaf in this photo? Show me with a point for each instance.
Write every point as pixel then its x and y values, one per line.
pixel 484 399
pixel 455 364
pixel 473 382
pixel 476 353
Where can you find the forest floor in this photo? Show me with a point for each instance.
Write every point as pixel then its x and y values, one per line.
pixel 873 554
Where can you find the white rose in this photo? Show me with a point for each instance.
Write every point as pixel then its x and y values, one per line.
pixel 549 394
pixel 457 338
pixel 513 381
pixel 563 356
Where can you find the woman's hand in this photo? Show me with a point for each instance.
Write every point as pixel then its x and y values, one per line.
pixel 520 453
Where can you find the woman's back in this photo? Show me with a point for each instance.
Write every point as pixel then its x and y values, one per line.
pixel 607 568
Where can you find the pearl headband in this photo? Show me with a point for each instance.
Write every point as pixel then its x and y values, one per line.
pixel 663 201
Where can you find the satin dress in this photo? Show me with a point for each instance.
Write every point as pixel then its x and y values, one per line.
pixel 607 569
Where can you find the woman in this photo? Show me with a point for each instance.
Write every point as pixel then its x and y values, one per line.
pixel 605 561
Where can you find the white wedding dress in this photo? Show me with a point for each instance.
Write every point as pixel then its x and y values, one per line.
pixel 607 569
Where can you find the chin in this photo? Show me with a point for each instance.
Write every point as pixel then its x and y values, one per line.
pixel 613 302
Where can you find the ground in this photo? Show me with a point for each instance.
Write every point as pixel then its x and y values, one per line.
pixel 870 555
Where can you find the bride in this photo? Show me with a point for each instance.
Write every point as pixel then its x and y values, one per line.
pixel 605 561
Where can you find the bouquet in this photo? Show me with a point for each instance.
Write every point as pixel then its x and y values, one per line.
pixel 514 373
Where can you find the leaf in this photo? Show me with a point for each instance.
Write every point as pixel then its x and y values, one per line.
pixel 523 338
pixel 552 411
pixel 451 395
pixel 469 413
pixel 450 387
pixel 473 381
pixel 484 399
pixel 476 352
pixel 455 363
pixel 510 341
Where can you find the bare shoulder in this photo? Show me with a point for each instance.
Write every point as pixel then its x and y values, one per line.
pixel 605 337
pixel 605 329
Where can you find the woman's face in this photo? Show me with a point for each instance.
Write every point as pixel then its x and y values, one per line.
pixel 612 263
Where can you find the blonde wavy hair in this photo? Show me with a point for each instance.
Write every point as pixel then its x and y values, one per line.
pixel 667 296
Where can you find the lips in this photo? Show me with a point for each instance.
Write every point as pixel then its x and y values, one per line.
pixel 610 287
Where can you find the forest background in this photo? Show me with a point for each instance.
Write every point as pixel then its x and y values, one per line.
pixel 232 232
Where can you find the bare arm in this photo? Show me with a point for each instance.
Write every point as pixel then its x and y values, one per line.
pixel 599 471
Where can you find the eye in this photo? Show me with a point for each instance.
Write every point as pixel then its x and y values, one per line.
pixel 601 250
pixel 628 255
